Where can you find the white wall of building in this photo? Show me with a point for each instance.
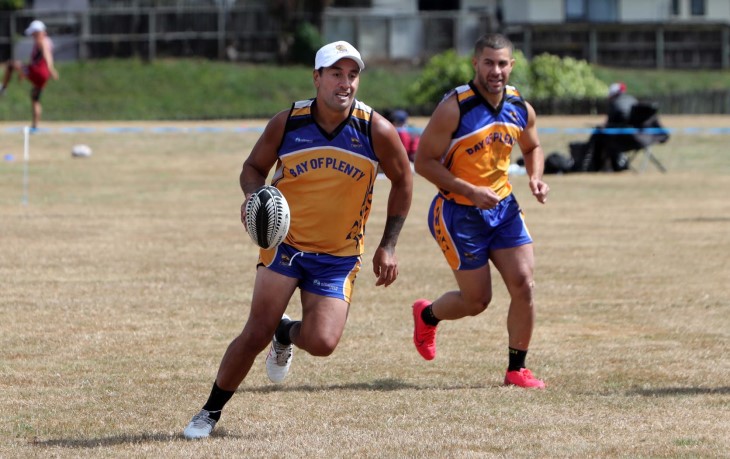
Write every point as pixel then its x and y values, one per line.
pixel 717 10
pixel 661 11
pixel 553 11
pixel 483 6
pixel 644 10
pixel 527 11
pixel 408 6
pixel 549 10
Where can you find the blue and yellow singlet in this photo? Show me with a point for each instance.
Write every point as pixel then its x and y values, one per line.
pixel 481 147
pixel 327 180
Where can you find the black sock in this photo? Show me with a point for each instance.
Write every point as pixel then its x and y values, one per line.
pixel 282 331
pixel 217 399
pixel 516 359
pixel 428 317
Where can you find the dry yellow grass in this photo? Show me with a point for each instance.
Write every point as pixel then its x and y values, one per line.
pixel 128 273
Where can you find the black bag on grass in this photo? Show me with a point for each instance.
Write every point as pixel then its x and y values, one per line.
pixel 556 163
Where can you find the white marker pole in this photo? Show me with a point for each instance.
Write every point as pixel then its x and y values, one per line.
pixel 26 159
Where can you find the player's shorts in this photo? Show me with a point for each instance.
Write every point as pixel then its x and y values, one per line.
pixel 318 273
pixel 466 234
pixel 38 75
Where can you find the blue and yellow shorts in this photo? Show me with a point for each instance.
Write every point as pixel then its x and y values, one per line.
pixel 466 234
pixel 318 273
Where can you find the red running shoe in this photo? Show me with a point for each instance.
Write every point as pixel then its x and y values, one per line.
pixel 523 378
pixel 424 335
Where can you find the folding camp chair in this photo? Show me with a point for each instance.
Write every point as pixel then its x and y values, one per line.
pixel 645 117
pixel 620 145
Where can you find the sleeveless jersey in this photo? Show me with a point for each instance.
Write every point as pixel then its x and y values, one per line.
pixel 481 147
pixel 37 70
pixel 37 61
pixel 327 180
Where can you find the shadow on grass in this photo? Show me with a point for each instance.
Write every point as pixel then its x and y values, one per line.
pixel 379 385
pixel 129 439
pixel 674 391
pixel 382 385
pixel 703 220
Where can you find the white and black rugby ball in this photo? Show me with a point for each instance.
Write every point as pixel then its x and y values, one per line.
pixel 267 217
pixel 80 151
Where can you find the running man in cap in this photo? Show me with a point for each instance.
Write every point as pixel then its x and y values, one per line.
pixel 39 70
pixel 326 151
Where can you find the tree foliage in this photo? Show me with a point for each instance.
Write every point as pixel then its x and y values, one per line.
pixel 12 5
pixel 552 77
pixel 441 73
pixel 545 77
pixel 305 43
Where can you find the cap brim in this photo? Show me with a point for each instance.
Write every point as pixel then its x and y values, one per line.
pixel 357 60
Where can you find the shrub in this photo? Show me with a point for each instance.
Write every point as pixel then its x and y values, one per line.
pixel 545 77
pixel 441 73
pixel 12 5
pixel 448 70
pixel 306 42
pixel 520 77
pixel 554 78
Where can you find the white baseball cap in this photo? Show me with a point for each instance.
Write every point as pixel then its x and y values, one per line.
pixel 333 52
pixel 35 26
pixel 616 88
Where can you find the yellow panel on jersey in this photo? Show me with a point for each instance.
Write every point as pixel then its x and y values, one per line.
pixel 481 147
pixel 327 180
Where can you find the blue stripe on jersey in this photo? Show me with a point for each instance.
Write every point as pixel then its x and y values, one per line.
pixel 476 112
pixel 353 135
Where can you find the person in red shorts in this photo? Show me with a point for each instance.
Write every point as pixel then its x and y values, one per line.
pixel 39 70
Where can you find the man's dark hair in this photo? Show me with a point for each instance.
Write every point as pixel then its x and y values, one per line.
pixel 493 41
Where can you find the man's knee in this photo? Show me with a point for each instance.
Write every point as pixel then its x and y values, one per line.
pixel 321 346
pixel 476 306
pixel 522 290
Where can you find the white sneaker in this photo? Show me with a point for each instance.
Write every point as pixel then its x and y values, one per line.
pixel 279 359
pixel 200 426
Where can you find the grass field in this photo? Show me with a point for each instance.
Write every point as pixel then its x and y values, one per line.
pixel 126 275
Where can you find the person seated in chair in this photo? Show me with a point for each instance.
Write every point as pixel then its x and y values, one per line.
pixel 619 106
pixel 609 145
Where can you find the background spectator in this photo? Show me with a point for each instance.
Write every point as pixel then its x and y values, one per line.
pixel 408 136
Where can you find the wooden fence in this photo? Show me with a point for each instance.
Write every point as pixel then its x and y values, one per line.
pixel 250 32
pixel 253 32
pixel 652 45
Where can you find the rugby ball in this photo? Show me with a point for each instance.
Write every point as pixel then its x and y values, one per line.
pixel 81 151
pixel 267 217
